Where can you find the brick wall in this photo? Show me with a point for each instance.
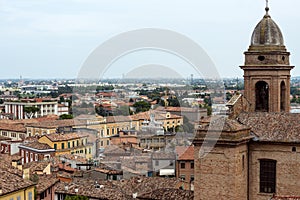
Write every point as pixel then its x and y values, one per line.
pixel 287 169
pixel 221 174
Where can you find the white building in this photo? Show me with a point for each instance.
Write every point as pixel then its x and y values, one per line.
pixel 16 108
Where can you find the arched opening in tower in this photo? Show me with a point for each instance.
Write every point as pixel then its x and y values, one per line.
pixel 282 96
pixel 261 96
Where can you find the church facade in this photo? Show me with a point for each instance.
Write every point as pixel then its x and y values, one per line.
pixel 257 148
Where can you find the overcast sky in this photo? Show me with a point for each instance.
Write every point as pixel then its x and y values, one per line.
pixel 53 38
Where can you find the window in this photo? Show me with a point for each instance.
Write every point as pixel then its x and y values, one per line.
pixel 73 144
pixel 113 131
pixel 69 145
pixel 90 150
pixel 192 165
pixel 101 143
pixel 107 132
pixel 55 146
pixel 77 143
pixel 101 133
pixel 267 176
pixel 156 163
pixel 4 133
pixel 107 142
pixel 19 198
pixel 62 145
pixel 30 196
pixel 13 134
pixel 36 157
pixel 182 165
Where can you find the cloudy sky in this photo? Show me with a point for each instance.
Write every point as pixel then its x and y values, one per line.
pixel 53 38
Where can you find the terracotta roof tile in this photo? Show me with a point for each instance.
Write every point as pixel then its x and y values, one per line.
pixel 64 137
pixel 185 153
pixel 276 127
pixel 168 194
pixel 44 182
pixel 36 145
pixel 10 182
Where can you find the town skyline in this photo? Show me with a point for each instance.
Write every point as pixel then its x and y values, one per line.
pixel 45 40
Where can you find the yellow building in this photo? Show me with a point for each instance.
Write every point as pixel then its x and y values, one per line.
pixel 50 126
pixel 13 187
pixel 110 126
pixel 68 143
pixel 168 121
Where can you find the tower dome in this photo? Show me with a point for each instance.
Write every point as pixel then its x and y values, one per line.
pixel 267 33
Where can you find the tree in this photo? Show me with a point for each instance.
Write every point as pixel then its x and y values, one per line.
pixel 173 102
pixel 30 111
pixel 141 106
pixel 104 88
pixel 66 116
pixel 61 99
pixel 76 197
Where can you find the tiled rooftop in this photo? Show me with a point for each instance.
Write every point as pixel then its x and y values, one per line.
pixel 36 145
pixel 92 189
pixel 10 182
pixel 53 123
pixel 276 127
pixel 44 182
pixel 154 188
pixel 16 127
pixel 76 158
pixel 185 153
pixel 114 119
pixel 142 185
pixel 64 137
pixel 218 123
pixel 158 116
pixel 168 194
pixel 36 165
pixel 5 164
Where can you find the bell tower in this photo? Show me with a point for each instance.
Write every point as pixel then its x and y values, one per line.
pixel 267 69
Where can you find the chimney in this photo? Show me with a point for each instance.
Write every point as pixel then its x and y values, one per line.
pixel 26 173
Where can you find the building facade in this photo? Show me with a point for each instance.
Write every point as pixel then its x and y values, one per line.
pixel 35 151
pixel 69 143
pixel 16 108
pixel 254 153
